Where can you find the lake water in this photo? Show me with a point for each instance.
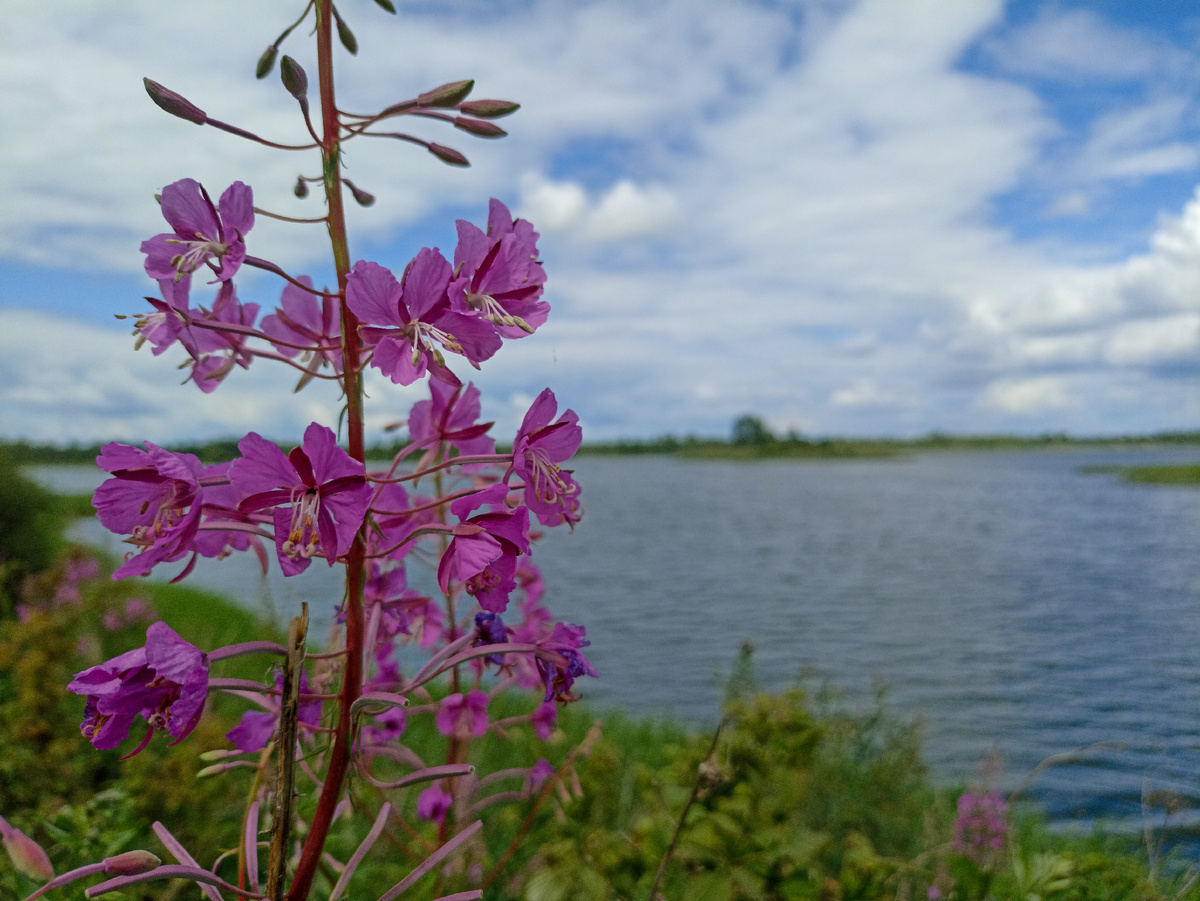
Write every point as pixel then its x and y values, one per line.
pixel 1005 598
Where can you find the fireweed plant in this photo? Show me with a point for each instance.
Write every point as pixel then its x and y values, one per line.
pixel 325 723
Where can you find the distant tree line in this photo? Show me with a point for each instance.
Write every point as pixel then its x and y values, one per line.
pixel 750 436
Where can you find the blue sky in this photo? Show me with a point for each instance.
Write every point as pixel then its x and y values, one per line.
pixel 856 218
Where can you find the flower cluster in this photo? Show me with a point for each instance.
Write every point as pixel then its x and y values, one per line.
pixel 447 499
pixel 981 827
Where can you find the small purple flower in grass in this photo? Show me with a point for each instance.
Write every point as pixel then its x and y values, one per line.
pixel 434 803
pixel 981 826
pixel 318 492
pixel 544 719
pixel 540 446
pixel 539 773
pixel 165 682
pixel 464 714
pixel 483 552
pixel 203 233
pixel 407 321
pixel 560 662
pixel 497 276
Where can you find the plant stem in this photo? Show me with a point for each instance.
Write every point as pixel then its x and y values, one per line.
pixel 339 757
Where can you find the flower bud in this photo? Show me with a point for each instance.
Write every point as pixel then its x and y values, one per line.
pixel 266 62
pixel 387 4
pixel 479 128
pixel 301 189
pixel 173 103
pixel 130 863
pixel 448 155
pixel 489 109
pixel 26 854
pixel 361 197
pixel 293 78
pixel 347 37
pixel 448 95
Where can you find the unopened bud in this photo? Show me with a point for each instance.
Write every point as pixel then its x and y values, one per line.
pixel 266 62
pixel 218 754
pixel 448 95
pixel 301 189
pixel 26 854
pixel 361 197
pixel 130 863
pixel 448 155
pixel 173 103
pixel 293 78
pixel 489 109
pixel 479 128
pixel 386 4
pixel 347 37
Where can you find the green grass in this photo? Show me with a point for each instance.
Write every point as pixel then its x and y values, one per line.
pixel 1188 474
pixel 1180 474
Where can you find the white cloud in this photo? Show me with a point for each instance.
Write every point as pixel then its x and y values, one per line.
pixel 865 393
pixel 1162 340
pixel 1073 203
pixel 624 211
pixel 1077 44
pixel 1027 395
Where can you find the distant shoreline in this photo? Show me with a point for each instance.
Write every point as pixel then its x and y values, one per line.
pixel 792 447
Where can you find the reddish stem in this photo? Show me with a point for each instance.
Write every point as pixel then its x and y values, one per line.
pixel 339 757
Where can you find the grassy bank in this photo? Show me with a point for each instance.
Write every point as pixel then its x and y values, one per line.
pixel 1183 474
pixel 790 799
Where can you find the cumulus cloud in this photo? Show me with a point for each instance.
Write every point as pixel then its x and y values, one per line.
pixel 742 208
pixel 624 211
pixel 1022 396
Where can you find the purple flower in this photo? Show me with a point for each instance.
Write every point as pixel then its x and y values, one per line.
pixel 464 714
pixel 560 662
pixel 497 275
pixel 319 494
pixel 165 682
pixel 203 234
pixel 434 803
pixel 257 726
pixel 405 320
pixel 313 322
pixel 544 719
pixel 168 323
pixel 153 498
pixel 538 774
pixel 215 352
pixel 540 446
pixel 483 552
pixel 981 826
pixel 424 622
pixel 489 629
pixel 450 417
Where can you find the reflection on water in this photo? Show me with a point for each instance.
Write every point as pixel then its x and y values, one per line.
pixel 1004 597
